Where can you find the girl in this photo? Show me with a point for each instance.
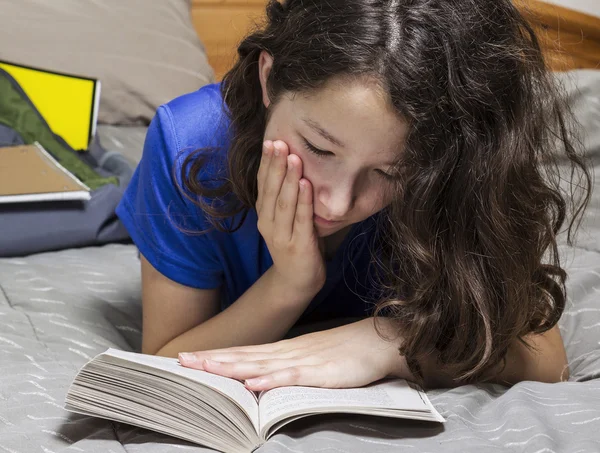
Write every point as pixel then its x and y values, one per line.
pixel 385 161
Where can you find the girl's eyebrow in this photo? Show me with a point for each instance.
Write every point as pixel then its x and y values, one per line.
pixel 322 132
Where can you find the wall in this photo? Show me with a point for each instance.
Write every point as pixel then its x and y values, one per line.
pixel 591 7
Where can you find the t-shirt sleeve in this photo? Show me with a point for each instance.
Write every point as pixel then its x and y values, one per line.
pixel 161 221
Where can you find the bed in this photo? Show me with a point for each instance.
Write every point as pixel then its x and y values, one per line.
pixel 58 309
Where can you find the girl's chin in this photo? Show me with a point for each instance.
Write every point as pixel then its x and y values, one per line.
pixel 323 231
pixel 325 228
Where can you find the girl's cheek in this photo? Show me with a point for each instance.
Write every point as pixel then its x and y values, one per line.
pixel 309 166
pixel 297 150
pixel 303 157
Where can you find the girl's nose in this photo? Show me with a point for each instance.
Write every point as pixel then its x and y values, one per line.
pixel 338 200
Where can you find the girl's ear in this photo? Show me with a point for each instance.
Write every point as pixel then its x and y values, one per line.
pixel 265 63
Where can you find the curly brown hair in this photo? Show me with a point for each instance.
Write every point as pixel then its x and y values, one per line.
pixel 467 248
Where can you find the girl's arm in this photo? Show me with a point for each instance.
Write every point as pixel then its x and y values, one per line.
pixel 546 362
pixel 177 318
pixel 267 310
pixel 170 309
pixel 355 355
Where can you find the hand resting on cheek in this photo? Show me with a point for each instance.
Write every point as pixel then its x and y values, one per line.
pixel 285 219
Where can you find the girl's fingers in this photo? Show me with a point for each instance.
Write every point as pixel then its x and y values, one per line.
pixel 285 210
pixel 303 220
pixel 257 348
pixel 304 375
pixel 247 370
pixel 265 161
pixel 283 349
pixel 273 178
pixel 195 359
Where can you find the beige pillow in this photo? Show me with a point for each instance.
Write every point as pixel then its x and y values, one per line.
pixel 145 52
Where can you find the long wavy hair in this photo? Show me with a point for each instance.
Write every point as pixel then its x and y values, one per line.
pixel 467 249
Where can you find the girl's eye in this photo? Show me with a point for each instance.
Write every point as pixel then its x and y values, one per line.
pixel 322 153
pixel 385 175
pixel 313 149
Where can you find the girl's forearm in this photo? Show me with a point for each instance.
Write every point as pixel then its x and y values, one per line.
pixel 547 362
pixel 263 314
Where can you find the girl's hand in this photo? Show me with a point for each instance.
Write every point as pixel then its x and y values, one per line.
pixel 353 355
pixel 285 219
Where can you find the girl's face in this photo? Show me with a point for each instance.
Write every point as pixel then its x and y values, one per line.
pixel 347 136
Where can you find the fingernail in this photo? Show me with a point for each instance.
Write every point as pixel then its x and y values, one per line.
pixel 187 357
pixel 290 162
pixel 276 149
pixel 256 382
pixel 210 362
pixel 267 146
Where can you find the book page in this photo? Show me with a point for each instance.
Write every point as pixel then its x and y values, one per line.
pixel 231 388
pixel 285 402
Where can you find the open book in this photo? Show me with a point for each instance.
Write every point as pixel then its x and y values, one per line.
pixel 159 394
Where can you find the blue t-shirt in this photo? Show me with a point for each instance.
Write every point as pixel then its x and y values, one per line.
pixel 162 221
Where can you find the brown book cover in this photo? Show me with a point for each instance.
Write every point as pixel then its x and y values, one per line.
pixel 28 173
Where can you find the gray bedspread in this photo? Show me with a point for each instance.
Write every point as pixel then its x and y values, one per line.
pixel 57 310
pixel 126 140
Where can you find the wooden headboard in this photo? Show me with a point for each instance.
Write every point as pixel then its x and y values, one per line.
pixel 571 39
pixel 221 24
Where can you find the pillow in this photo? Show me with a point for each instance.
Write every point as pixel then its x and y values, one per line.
pixel 144 52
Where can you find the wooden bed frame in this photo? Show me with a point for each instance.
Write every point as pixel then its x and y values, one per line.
pixel 571 40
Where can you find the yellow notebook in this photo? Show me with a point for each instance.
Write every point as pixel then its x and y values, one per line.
pixel 68 103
